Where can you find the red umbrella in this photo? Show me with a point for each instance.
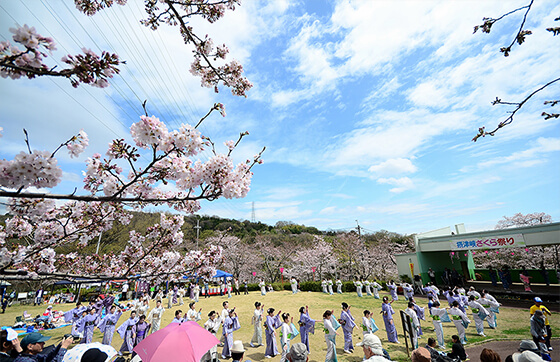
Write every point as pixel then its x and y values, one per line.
pixel 177 342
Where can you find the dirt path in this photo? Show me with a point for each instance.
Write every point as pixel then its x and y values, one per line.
pixel 505 348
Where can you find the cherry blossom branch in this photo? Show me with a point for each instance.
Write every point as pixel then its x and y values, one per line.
pixel 518 105
pixel 519 37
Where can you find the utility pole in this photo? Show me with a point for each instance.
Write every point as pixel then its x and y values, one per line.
pixel 98 242
pixel 197 227
pixel 359 230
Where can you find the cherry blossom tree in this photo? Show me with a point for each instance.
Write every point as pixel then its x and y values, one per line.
pixel 517 258
pixel 320 256
pixel 127 175
pixel 239 258
pixel 518 39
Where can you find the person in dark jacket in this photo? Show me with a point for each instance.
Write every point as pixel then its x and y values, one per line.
pixel 457 350
pixel 33 344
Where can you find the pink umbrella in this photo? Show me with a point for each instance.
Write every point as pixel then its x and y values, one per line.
pixel 177 342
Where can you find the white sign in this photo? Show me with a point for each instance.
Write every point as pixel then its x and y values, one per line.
pixel 496 242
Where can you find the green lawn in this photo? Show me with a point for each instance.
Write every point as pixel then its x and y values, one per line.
pixel 512 323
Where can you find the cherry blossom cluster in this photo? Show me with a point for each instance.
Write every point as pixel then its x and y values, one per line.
pixel 38 168
pixel 90 7
pixel 88 68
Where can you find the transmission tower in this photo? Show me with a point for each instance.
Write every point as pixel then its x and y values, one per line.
pixel 253 218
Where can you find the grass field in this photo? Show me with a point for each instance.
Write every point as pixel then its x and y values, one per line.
pixel 512 323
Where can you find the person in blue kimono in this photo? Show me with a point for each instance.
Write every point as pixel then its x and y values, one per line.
pixel 107 325
pixel 392 290
pixel 347 322
pixel 306 325
pixel 74 314
pixel 89 323
pixel 388 312
pixel 140 330
pixel 231 324
pixel 272 322
pixel 125 331
pixel 421 313
pixel 408 291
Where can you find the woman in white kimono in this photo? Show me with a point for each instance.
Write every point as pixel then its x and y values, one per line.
pixel 285 336
pixel 376 288
pixel 324 286
pixel 143 308
pixel 154 318
pixel 293 283
pixel 339 286
pixel 368 288
pixel 257 322
pixel 196 292
pixel 358 285
pixel 479 314
pixel 415 323
pixel 262 285
pixel 460 320
pixel 437 314
pixel 212 325
pixel 330 336
pixel 492 306
pixel 329 286
pixel 180 295
pixel 192 314
pixel 368 324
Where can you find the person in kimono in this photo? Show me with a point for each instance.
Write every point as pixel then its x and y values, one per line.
pixel 107 324
pixel 262 285
pixel 78 326
pixel 285 336
pixel 125 331
pixel 408 291
pixel 231 324
pixel 330 336
pixel 143 308
pixel 175 292
pixel 339 286
pixel 212 325
pixel 293 284
pixel 159 295
pixel 420 312
pixel 388 312
pixel 192 314
pixel 492 306
pixel 169 299
pixel 409 311
pixel 196 292
pixel 376 288
pixel 89 323
pixel 306 326
pixel 140 330
pixel 368 324
pixel 257 322
pixel 472 291
pixel 180 295
pixel 460 320
pixel 74 314
pixel 154 318
pixel 367 284
pixel 178 318
pixel 358 285
pixel 329 286
pixel 347 322
pixel 393 290
pixel 430 293
pixel 324 286
pixel 437 313
pixel 479 314
pixel 272 322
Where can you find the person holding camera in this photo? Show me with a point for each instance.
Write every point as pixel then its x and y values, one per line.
pixel 32 345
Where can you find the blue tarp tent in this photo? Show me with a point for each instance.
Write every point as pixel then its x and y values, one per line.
pixel 219 274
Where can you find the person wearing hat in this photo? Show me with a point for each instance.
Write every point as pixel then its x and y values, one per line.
pixel 298 353
pixel 421 354
pixel 33 344
pixel 10 347
pixel 538 305
pixel 371 345
pixel 527 345
pixel 526 356
pixel 538 331
pixel 237 351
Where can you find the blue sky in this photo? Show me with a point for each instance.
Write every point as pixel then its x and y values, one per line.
pixel 367 108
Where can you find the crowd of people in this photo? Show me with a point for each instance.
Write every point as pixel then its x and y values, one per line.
pixel 452 305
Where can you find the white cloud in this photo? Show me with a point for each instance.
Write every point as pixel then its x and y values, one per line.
pixel 393 166
pixel 403 183
pixel 528 157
